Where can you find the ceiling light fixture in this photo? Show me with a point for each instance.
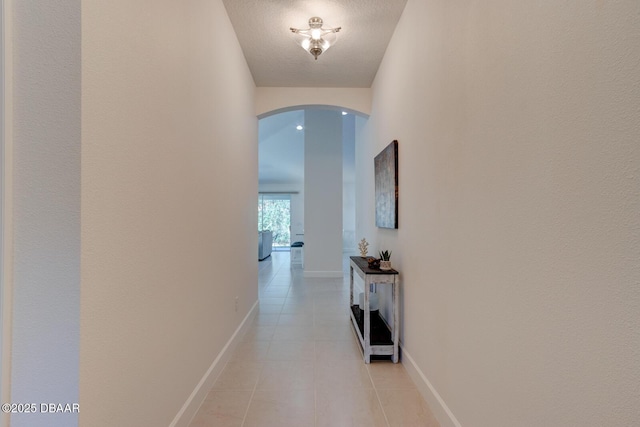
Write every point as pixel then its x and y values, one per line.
pixel 316 39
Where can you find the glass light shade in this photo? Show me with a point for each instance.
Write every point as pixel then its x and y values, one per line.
pixel 315 39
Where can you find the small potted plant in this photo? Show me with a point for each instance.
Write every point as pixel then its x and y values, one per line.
pixel 385 260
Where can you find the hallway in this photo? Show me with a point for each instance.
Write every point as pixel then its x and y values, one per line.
pixel 299 364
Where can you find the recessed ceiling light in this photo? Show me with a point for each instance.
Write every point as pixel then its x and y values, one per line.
pixel 344 113
pixel 299 127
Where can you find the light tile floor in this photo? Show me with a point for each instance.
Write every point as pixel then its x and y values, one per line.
pixel 299 364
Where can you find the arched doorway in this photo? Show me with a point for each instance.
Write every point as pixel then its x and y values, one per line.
pixel 307 152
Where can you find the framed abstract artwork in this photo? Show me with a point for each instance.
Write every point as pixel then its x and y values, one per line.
pixel 386 186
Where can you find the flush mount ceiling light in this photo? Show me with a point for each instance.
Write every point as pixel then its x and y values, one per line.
pixel 316 39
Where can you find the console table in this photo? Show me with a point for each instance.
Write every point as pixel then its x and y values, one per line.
pixel 376 336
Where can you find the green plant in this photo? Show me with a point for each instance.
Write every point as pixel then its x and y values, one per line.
pixel 385 255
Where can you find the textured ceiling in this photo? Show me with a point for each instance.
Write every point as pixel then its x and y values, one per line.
pixel 275 60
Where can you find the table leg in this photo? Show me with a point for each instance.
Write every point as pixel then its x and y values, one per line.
pixel 350 286
pixel 367 323
pixel 396 318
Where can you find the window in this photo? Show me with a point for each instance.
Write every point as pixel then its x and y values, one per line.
pixel 274 214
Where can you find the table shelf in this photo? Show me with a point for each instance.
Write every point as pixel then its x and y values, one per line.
pixel 380 333
pixel 375 335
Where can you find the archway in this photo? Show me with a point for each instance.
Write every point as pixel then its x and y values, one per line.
pixel 323 199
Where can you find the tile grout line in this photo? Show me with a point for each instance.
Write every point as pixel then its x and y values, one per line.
pixel 255 387
pixel 315 384
pixel 375 389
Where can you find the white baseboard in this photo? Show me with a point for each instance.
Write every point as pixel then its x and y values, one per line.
pixel 324 274
pixel 191 406
pixel 439 408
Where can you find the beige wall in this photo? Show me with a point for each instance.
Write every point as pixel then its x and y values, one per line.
pixel 169 187
pixel 270 99
pixel 519 247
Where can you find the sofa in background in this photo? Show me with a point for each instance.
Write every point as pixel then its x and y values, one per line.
pixel 265 241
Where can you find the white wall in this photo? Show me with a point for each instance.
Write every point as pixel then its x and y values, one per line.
pixel 365 219
pixel 6 206
pixel 46 207
pixel 323 193
pixel 519 241
pixel 349 244
pixel 169 190
pixel 269 99
pixel 297 216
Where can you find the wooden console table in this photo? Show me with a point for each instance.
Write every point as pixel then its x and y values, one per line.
pixel 376 336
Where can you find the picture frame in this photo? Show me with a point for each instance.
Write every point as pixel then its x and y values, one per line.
pixel 386 186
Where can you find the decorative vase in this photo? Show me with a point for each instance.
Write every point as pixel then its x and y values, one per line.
pixel 385 265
